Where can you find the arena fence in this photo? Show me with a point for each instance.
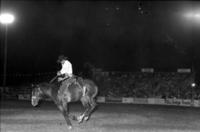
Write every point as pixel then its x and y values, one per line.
pixel 130 100
pixel 26 95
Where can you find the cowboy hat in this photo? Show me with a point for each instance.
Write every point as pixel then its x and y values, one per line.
pixel 60 58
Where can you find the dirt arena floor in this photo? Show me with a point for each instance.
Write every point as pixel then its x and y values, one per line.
pixel 20 116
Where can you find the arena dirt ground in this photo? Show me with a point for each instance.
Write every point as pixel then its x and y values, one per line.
pixel 20 116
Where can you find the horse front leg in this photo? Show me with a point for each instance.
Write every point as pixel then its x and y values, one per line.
pixel 64 110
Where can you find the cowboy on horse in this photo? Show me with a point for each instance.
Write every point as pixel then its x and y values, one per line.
pixel 65 75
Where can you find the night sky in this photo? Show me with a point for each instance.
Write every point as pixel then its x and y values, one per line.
pixel 114 36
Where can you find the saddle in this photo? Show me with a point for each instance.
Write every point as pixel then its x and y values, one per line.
pixel 66 82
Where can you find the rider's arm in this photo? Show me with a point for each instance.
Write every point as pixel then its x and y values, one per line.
pixel 58 73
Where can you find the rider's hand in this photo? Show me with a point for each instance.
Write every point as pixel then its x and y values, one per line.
pixel 58 73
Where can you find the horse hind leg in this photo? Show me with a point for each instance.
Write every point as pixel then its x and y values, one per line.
pixel 89 104
pixel 82 116
pixel 86 105
pixel 93 105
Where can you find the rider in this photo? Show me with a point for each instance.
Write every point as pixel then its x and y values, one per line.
pixel 66 71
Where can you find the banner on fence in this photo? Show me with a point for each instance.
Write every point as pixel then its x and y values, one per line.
pixel 184 70
pixel 101 99
pixel 186 102
pixel 140 101
pixel 150 70
pixel 155 101
pixel 113 100
pixel 24 96
pixel 127 100
pixel 196 103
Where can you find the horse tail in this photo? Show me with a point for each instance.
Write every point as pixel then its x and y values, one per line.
pixel 90 83
pixel 96 91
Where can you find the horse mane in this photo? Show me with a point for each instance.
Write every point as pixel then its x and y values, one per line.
pixel 49 89
pixel 48 86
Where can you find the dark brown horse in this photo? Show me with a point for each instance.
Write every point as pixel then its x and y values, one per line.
pixel 65 94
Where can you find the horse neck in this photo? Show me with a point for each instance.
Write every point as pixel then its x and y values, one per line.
pixel 51 91
pixel 46 90
pixel 45 93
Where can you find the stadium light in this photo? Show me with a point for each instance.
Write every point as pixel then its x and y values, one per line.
pixel 193 84
pixel 6 19
pixel 192 15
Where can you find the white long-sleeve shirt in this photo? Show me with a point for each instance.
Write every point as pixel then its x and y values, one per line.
pixel 67 68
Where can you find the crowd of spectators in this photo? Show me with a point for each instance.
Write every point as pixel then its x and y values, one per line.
pixel 147 85
pixel 135 84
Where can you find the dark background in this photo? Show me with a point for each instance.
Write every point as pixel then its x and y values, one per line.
pixel 112 35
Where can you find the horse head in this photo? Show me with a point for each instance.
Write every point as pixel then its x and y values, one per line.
pixel 36 95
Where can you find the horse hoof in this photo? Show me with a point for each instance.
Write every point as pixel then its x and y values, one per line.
pixel 86 118
pixel 80 119
pixel 69 127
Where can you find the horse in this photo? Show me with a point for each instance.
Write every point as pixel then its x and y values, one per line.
pixel 63 94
